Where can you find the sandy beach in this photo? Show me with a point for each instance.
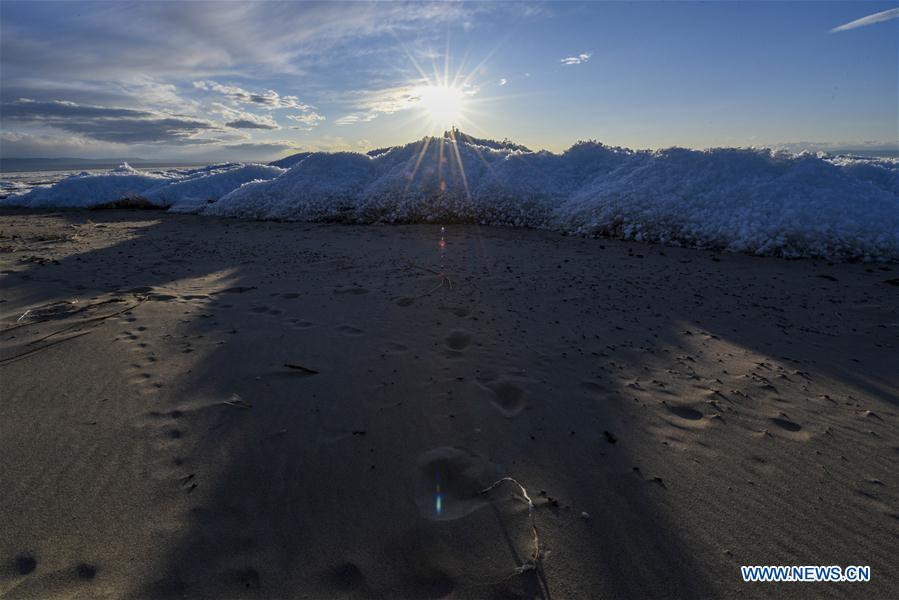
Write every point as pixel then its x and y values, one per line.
pixel 208 408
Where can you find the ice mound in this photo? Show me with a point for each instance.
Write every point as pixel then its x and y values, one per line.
pixel 749 200
pixel 196 190
pixel 85 190
pixel 291 161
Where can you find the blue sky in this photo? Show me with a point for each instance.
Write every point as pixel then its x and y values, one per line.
pixel 258 80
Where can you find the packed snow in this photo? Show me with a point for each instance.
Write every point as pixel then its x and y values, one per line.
pixel 750 200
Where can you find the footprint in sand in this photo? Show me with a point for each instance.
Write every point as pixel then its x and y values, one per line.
pixel 247 578
pixel 86 571
pixel 344 578
pixel 458 340
pixel 450 481
pixel 507 396
pixel 405 302
pixel 25 564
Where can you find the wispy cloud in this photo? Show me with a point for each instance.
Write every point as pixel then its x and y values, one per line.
pixel 885 15
pixel 307 121
pixel 271 146
pixel 352 119
pixel 269 99
pixel 576 60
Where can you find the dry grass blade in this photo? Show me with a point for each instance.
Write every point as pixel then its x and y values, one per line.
pixel 237 402
pixel 297 367
pixel 444 280
pixel 32 351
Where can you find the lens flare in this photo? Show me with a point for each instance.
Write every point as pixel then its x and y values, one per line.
pixel 438 501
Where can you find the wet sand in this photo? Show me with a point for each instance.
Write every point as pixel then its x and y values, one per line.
pixel 204 408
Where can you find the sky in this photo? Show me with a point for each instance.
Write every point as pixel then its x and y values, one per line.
pixel 258 80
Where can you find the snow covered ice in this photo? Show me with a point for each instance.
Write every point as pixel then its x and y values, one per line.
pixel 750 200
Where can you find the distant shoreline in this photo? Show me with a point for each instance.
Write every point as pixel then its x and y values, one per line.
pixel 33 165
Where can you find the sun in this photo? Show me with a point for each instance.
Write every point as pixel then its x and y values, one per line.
pixel 444 104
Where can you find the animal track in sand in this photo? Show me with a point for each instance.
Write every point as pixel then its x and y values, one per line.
pixel 458 339
pixel 405 302
pixel 449 483
pixel 141 371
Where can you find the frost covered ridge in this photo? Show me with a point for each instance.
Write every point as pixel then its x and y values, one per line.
pixel 741 199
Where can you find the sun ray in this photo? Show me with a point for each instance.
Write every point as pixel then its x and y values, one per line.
pixel 461 166
pixel 421 155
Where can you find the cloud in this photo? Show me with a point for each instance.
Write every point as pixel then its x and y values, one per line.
pixel 13 143
pixel 269 99
pixel 307 121
pixel 503 81
pixel 241 119
pixel 107 41
pixel 272 146
pixel 108 124
pixel 576 60
pixel 251 124
pixel 886 15
pixel 352 119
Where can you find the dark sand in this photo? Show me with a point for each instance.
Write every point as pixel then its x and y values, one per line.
pixel 672 413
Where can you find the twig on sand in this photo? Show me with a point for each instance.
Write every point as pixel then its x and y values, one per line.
pixel 444 280
pixel 534 562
